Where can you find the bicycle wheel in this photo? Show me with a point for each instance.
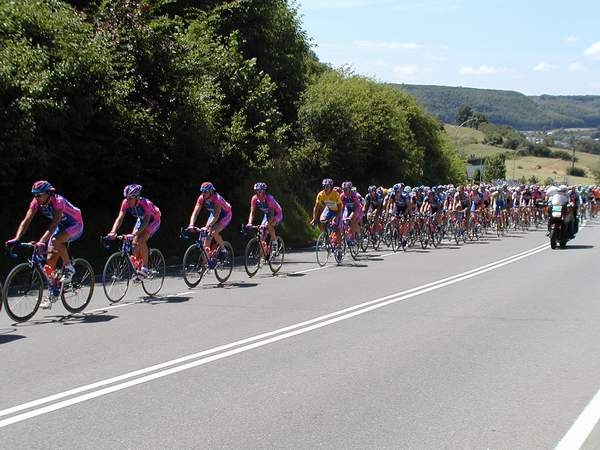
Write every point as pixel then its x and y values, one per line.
pixel 322 249
pixel 77 294
pixel 387 234
pixel 193 266
pixel 423 236
pixel 394 240
pixel 252 257
pixel 23 292
pixel 376 240
pixel 153 283
pixel 116 276
pixel 224 265
pixel 276 258
pixel 364 239
pixel 354 249
pixel 340 251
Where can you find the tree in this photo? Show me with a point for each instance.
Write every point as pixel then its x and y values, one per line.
pixel 478 119
pixel 463 114
pixel 495 167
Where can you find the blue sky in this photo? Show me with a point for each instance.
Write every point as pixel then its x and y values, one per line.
pixel 534 47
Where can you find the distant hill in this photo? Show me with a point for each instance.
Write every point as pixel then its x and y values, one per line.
pixel 509 107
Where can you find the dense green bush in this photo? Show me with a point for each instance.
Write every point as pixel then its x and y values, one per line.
pixel 576 171
pixel 96 94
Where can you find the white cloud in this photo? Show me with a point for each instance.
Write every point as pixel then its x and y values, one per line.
pixel 576 67
pixel 406 70
pixel 482 70
pixel 594 50
pixel 572 39
pixel 388 45
pixel 544 67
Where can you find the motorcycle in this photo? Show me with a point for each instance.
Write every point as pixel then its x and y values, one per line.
pixel 561 218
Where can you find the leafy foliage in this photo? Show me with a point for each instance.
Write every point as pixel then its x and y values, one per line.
pixel 95 94
pixel 495 167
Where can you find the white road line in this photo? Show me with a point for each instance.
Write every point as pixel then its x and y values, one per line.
pixel 582 427
pixel 263 339
pixel 311 270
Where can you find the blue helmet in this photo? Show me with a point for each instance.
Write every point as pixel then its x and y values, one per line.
pixel 132 190
pixel 207 186
pixel 42 187
pixel 260 186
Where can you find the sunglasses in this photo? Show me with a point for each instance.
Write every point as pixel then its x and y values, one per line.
pixel 39 195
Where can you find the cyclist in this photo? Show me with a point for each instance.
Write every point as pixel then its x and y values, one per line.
pixel 328 206
pixel 433 204
pixel 374 205
pixel 220 215
pixel 462 203
pixel 273 214
pixel 399 205
pixel 353 210
pixel 66 225
pixel 146 225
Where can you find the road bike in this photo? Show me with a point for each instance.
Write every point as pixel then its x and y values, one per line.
pixel 327 244
pixel 197 259
pixel 24 287
pixel 258 251
pixel 122 268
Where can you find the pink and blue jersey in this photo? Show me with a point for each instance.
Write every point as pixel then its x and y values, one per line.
pixel 143 207
pixel 211 204
pixel 71 214
pixel 71 221
pixel 267 204
pixel 352 204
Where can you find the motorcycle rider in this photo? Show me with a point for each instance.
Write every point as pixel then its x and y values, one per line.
pixel 562 198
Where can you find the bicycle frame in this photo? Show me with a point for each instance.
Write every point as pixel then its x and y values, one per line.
pixel 39 260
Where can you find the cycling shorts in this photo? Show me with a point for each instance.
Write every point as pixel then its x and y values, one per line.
pixel 328 215
pixel 73 231
pixel 278 219
pixel 151 229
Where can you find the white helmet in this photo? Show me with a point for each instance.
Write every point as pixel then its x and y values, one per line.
pixel 563 188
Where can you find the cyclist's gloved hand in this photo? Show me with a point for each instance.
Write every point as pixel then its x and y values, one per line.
pixel 314 222
pixel 11 242
pixel 190 227
pixel 111 236
pixel 40 246
pixel 248 225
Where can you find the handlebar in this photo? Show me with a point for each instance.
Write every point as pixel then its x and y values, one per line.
pixel 105 240
pixel 185 232
pixel 10 247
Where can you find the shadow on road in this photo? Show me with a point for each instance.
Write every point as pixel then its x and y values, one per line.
pixel 70 319
pixel 7 335
pixel 233 285
pixel 97 317
pixel 167 299
pixel 578 247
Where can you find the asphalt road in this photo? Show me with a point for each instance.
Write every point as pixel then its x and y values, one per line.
pixel 494 344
